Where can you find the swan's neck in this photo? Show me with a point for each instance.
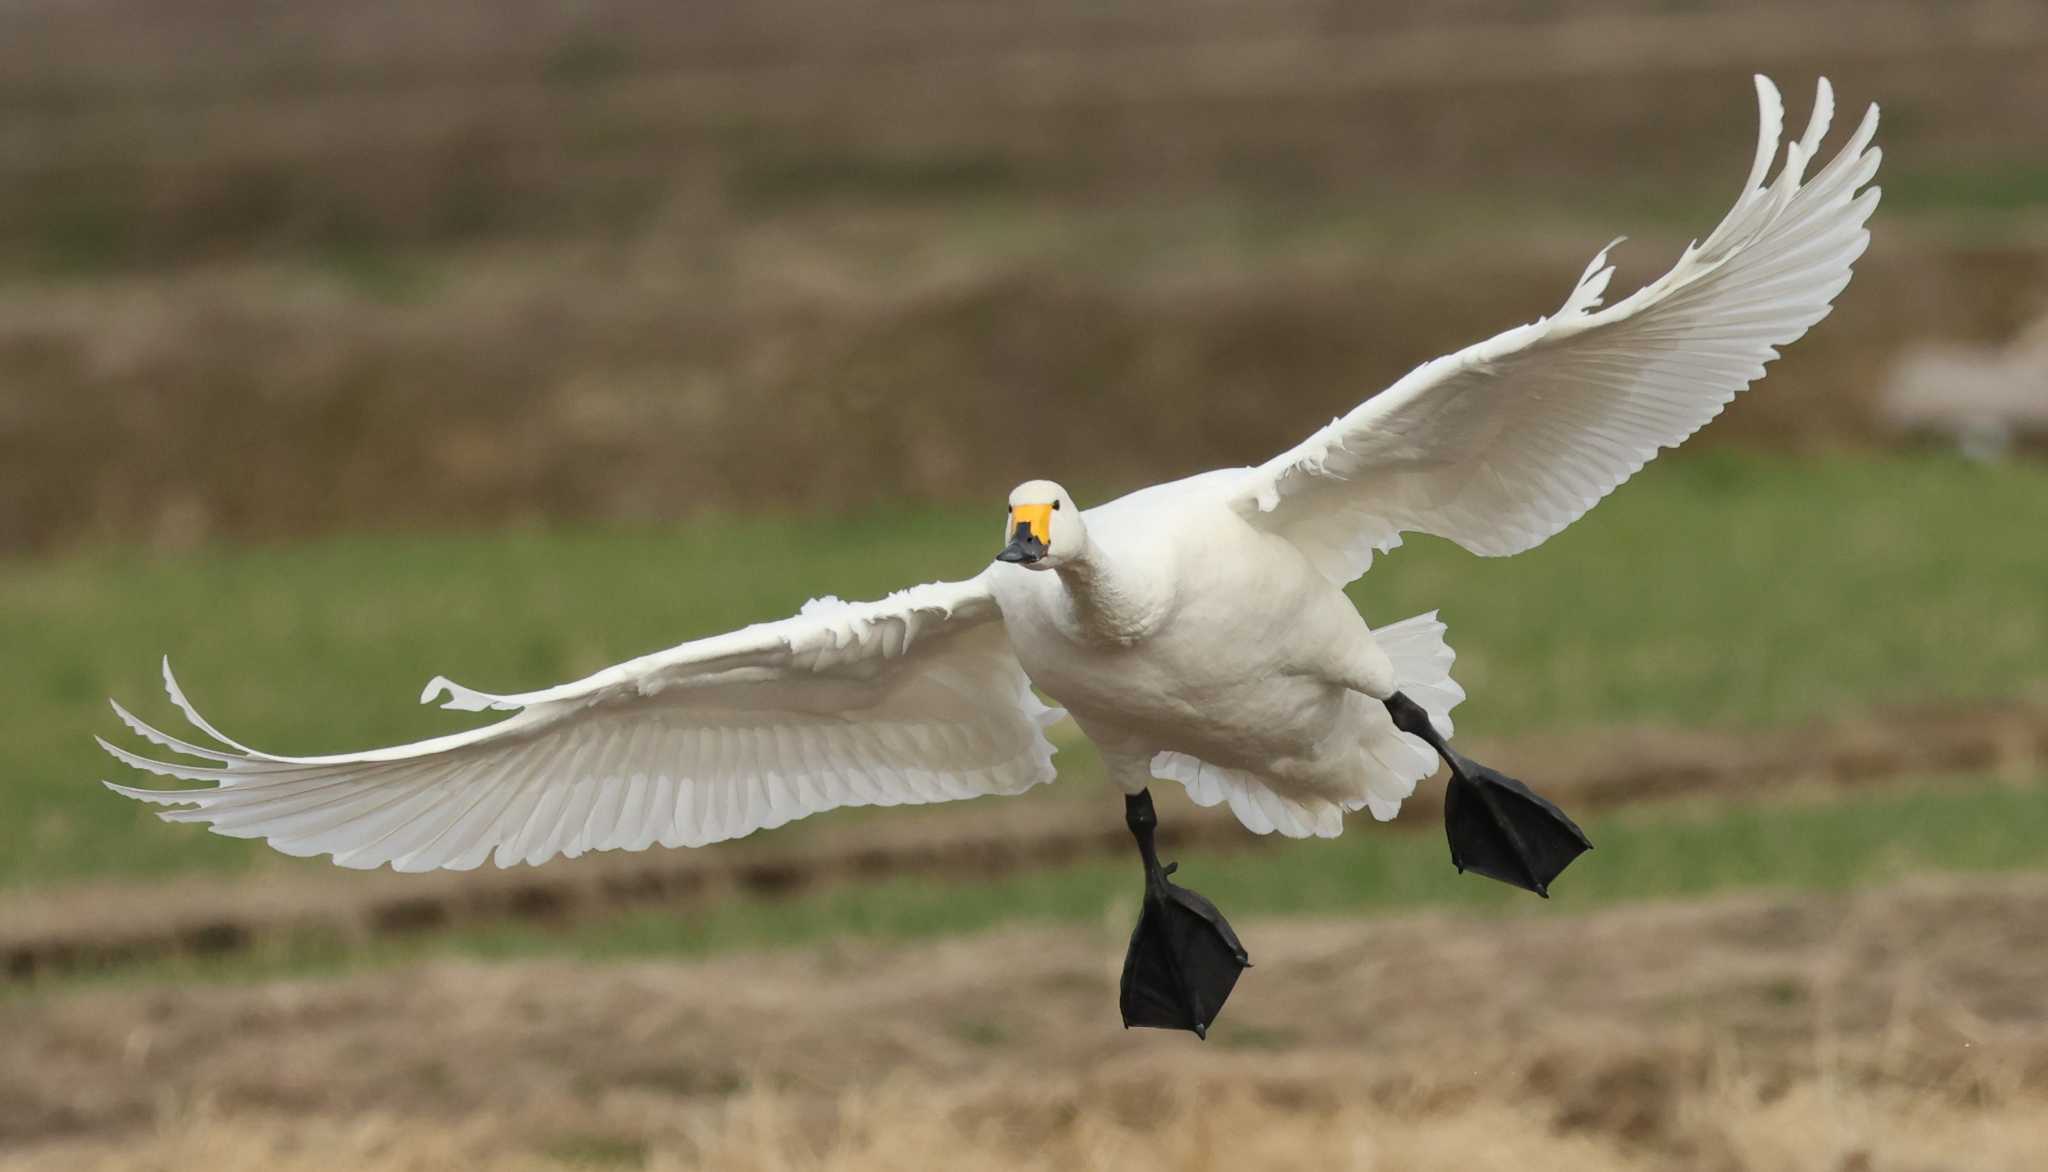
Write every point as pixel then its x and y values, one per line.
pixel 1111 603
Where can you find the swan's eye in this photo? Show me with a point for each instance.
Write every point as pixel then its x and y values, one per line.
pixel 1055 504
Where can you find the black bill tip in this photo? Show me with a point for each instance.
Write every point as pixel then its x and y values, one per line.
pixel 1023 548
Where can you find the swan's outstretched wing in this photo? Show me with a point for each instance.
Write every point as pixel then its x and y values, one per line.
pixel 915 698
pixel 1504 443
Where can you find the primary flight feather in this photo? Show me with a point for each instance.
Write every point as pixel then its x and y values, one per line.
pixel 1195 631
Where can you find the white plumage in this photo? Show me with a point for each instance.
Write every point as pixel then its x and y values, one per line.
pixel 1196 630
pixel 1504 443
pixel 911 699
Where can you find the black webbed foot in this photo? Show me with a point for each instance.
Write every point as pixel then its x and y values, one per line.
pixel 1503 830
pixel 1497 826
pixel 1183 962
pixel 1184 958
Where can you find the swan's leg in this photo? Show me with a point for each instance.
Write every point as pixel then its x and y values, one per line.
pixel 1498 827
pixel 1184 959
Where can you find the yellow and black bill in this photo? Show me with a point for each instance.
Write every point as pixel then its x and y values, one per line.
pixel 1030 533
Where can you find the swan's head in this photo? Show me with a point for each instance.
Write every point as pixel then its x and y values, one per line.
pixel 1043 527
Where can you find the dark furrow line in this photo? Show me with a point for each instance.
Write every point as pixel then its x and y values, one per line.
pixel 1613 770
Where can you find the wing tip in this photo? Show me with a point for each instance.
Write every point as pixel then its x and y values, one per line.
pixel 1769 97
pixel 184 704
pixel 156 797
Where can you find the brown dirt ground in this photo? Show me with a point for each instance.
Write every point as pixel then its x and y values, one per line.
pixel 1900 1028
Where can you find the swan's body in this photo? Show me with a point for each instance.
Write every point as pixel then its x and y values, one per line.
pixel 1196 631
pixel 1185 629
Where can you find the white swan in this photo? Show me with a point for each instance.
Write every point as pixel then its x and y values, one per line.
pixel 1196 631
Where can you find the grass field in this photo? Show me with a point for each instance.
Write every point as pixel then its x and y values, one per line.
pixel 1949 824
pixel 1714 591
pixel 343 346
pixel 1939 825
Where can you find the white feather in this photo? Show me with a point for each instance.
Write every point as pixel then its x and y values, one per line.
pixel 1197 630
pixel 643 752
pixel 1504 443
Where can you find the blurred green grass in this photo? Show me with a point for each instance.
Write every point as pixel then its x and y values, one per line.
pixel 1951 824
pixel 1726 590
pixel 1957 824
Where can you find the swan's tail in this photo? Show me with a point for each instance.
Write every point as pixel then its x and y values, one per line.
pixel 1394 761
pixel 1388 763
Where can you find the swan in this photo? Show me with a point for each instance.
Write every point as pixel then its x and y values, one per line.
pixel 1197 632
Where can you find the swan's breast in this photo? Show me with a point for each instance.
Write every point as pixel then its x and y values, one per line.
pixel 1236 659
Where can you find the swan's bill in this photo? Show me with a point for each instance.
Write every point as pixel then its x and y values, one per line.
pixel 1031 531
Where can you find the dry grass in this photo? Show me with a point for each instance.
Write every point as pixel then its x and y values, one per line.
pixel 574 384
pixel 1899 1028
pixel 269 273
pixel 1173 1125
pixel 147 135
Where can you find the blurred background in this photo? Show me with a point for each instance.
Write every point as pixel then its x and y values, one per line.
pixel 344 345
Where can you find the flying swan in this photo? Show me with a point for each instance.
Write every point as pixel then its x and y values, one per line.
pixel 1196 631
